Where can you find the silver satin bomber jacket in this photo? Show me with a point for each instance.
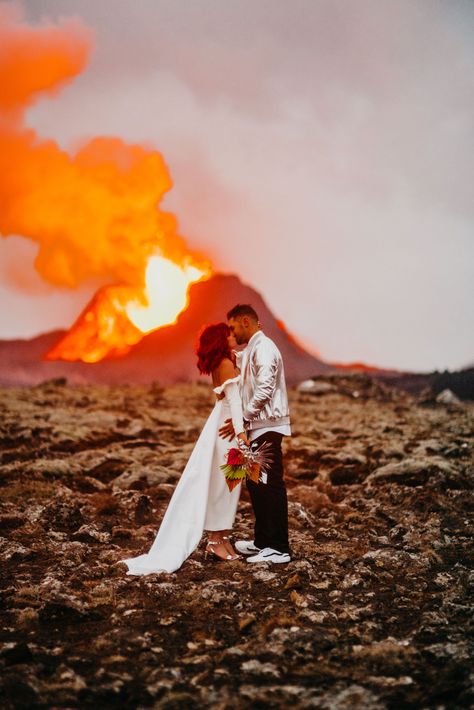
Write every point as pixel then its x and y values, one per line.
pixel 262 383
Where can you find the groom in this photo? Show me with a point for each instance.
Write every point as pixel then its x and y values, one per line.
pixel 266 419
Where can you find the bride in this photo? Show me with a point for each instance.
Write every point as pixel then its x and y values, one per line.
pixel 201 499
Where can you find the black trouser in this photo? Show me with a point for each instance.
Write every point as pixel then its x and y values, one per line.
pixel 269 500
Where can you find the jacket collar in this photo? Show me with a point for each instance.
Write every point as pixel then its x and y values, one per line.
pixel 256 336
pixel 245 353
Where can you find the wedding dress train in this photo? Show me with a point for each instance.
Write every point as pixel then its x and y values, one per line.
pixel 201 500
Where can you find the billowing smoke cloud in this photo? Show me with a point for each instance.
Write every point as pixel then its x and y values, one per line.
pixel 93 213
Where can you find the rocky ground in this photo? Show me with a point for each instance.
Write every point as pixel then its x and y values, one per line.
pixel 372 612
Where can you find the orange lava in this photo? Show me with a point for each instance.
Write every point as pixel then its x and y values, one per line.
pixel 93 212
pixel 119 316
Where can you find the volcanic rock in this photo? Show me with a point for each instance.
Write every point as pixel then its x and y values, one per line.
pixel 447 396
pixel 314 387
pixel 373 611
pixel 415 472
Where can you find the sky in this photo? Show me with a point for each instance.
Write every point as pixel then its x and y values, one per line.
pixel 320 149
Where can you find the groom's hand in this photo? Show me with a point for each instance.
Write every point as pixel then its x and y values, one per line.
pixel 227 431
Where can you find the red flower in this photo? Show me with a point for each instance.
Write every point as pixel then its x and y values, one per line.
pixel 234 457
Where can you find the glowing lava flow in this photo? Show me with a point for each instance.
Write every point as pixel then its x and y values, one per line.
pixel 93 210
pixel 119 316
pixel 166 293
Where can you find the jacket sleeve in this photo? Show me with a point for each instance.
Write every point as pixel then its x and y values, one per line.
pixel 266 368
pixel 232 395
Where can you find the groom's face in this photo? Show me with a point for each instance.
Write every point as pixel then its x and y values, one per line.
pixel 239 330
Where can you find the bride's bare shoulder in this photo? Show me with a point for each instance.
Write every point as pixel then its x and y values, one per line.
pixel 225 370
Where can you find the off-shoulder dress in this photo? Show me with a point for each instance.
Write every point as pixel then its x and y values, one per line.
pixel 201 500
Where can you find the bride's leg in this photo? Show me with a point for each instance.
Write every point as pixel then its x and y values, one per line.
pixel 223 548
pixel 227 542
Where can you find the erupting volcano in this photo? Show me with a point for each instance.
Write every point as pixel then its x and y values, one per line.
pixel 94 213
pixel 119 316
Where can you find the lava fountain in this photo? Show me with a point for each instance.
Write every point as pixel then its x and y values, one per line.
pixel 93 212
pixel 119 316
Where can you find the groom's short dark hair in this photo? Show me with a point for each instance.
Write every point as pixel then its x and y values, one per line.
pixel 242 309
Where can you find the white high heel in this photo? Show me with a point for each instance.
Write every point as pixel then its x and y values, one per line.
pixel 229 557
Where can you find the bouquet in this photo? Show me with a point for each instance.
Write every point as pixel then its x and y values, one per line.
pixel 244 462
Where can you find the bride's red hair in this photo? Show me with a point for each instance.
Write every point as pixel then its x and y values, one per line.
pixel 212 347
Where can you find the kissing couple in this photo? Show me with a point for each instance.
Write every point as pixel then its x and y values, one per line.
pixel 251 406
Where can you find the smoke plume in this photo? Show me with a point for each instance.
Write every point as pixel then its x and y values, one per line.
pixel 93 212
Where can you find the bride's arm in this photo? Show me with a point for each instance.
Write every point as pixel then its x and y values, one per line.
pixel 232 396
pixel 227 375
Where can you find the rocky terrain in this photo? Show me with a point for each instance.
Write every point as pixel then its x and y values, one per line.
pixel 374 610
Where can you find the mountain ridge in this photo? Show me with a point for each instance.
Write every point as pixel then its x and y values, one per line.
pixel 167 354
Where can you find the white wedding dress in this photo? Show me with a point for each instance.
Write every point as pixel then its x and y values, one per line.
pixel 201 500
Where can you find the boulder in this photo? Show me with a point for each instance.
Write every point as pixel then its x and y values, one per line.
pixel 447 396
pixel 413 471
pixel 315 387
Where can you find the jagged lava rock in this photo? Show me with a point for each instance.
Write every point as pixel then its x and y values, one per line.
pixel 373 611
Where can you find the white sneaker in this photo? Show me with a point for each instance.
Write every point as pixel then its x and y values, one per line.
pixel 269 555
pixel 246 547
